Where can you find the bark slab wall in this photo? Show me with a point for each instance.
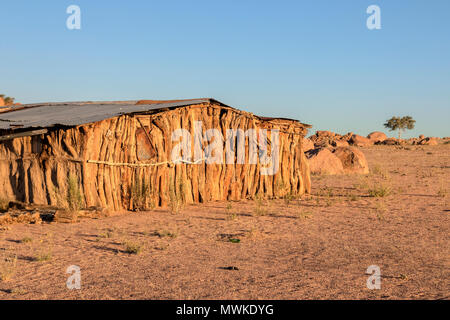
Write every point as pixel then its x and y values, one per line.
pixel 125 163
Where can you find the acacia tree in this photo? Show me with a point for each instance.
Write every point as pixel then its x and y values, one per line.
pixel 7 100
pixel 400 124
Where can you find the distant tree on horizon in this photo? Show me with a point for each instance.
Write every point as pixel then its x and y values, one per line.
pixel 8 100
pixel 400 124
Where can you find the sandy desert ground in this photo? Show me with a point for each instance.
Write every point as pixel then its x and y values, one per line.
pixel 317 247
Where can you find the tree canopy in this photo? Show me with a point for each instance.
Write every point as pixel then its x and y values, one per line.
pixel 400 124
pixel 7 100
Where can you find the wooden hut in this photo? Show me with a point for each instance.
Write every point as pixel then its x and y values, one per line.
pixel 120 155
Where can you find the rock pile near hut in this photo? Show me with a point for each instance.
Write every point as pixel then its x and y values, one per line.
pixel 327 139
pixel 323 161
pixel 334 161
pixel 353 160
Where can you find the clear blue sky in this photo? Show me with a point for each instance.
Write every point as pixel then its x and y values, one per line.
pixel 311 60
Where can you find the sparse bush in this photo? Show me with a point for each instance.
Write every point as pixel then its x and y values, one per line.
pixel 442 192
pixel 380 210
pixel 43 255
pixel 374 187
pixel 74 198
pixel 232 216
pixel 304 215
pixel 329 202
pixel 379 171
pixel 107 234
pixel 4 204
pixel 259 209
pixel 133 247
pixel 253 233
pixel 166 233
pixel 61 200
pixel 176 201
pixel 379 191
pixel 45 251
pixel 289 197
pixel 8 267
pixel 26 240
pixel 140 195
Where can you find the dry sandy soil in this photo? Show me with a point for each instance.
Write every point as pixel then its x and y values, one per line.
pixel 318 247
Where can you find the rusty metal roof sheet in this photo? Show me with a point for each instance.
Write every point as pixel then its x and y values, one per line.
pixel 45 115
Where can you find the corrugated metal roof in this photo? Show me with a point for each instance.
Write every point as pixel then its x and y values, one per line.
pixel 45 115
pixel 77 113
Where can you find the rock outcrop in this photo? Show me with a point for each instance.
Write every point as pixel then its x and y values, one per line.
pixel 360 141
pixel 389 142
pixel 430 141
pixel 352 159
pixel 307 144
pixel 323 161
pixel 377 136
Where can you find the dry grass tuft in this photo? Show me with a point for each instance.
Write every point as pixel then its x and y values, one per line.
pixel 379 191
pixel 44 251
pixel 230 216
pixel 374 187
pixel 107 234
pixel 26 240
pixel 260 207
pixel 132 247
pixel 4 204
pixel 380 210
pixel 8 267
pixel 379 171
pixel 141 195
pixel 289 197
pixel 43 255
pixel 74 198
pixel 442 192
pixel 304 214
pixel 165 233
pixel 176 202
